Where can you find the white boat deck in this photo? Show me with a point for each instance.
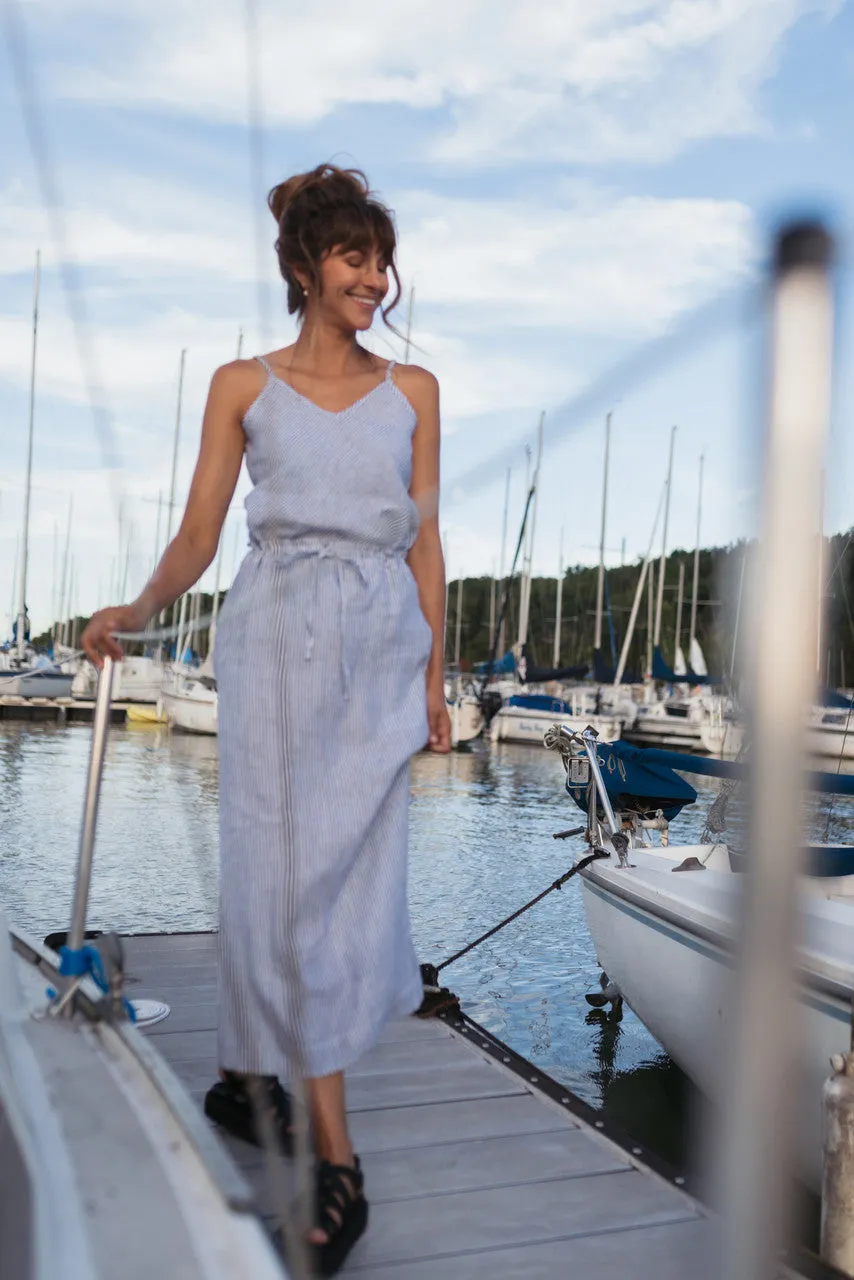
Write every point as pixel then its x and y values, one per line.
pixel 471 1169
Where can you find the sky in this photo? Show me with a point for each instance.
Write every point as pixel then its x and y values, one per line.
pixel 571 182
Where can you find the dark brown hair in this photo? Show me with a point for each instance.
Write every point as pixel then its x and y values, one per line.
pixel 328 208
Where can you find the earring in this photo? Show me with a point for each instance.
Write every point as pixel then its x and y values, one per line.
pixel 304 291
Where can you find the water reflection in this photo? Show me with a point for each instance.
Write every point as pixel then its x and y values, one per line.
pixel 482 825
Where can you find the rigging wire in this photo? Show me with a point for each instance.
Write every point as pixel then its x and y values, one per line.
pixel 52 199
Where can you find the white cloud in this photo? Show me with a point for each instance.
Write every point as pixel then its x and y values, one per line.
pixel 174 272
pixel 598 265
pixel 559 79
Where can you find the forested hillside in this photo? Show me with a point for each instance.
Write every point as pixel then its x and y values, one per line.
pixel 717 601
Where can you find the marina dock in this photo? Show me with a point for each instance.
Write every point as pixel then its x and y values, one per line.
pixel 60 710
pixel 475 1164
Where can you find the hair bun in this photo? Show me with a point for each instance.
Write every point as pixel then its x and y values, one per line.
pixel 327 180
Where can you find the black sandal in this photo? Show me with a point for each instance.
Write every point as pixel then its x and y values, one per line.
pixel 342 1212
pixel 230 1103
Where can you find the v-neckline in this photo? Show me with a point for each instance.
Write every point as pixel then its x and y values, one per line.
pixel 333 413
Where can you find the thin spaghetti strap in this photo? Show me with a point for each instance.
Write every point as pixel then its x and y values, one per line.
pixel 389 370
pixel 262 360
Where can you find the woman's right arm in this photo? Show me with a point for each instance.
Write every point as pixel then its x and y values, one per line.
pixel 233 387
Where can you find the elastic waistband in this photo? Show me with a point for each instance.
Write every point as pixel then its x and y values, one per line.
pixel 331 548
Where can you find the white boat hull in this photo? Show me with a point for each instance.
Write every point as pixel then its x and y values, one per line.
pixel 135 679
pixel 37 683
pixel 109 1168
pixel 519 724
pixel 466 720
pixel 671 961
pixel 825 740
pixel 191 707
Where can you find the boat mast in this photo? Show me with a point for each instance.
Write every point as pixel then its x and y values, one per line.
pixel 600 585
pixel 526 533
pixel 171 506
pixel 663 562
pixel 525 610
pixel 502 561
pixel 25 540
pixel 13 603
pixel 558 605
pixel 650 596
pixel 63 588
pixel 630 630
pixel 679 601
pixel 695 589
pixel 54 570
pixel 458 622
pixel 492 586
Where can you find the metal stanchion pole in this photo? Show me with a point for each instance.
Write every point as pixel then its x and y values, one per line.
pixel 755 1166
pixel 90 807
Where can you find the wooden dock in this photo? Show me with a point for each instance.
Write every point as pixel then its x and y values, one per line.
pixel 59 710
pixel 473 1166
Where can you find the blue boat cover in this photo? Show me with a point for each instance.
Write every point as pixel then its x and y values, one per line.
pixel 539 702
pixel 633 782
pixel 505 666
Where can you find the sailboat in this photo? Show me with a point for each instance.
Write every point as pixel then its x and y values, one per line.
pixel 531 706
pixel 188 694
pixel 189 698
pixel 24 673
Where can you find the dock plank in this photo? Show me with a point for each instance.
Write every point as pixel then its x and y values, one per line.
pixel 665 1252
pixel 526 1214
pixel 470 1170
pixel 514 1160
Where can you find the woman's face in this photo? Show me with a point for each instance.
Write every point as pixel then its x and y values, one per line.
pixel 355 282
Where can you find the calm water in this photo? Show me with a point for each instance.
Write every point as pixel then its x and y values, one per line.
pixel 481 845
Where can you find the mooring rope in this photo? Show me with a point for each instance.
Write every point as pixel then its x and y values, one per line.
pixel 556 884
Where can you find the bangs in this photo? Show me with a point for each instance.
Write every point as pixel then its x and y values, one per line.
pixel 360 229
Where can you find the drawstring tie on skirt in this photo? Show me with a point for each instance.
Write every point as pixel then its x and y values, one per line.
pixel 344 558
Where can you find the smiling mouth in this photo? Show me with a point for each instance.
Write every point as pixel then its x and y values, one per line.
pixel 367 303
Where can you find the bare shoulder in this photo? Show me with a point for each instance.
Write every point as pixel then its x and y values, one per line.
pixel 420 386
pixel 235 385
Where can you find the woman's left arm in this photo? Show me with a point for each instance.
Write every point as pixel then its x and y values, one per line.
pixel 425 558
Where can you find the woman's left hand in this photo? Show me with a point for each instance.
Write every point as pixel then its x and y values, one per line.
pixel 438 720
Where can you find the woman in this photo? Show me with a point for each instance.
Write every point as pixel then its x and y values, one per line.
pixel 329 670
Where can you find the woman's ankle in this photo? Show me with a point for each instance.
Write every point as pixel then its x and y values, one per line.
pixel 337 1152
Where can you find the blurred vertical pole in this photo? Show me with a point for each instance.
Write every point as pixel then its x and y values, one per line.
pixel 819 631
pixel 755 1163
pixel 258 185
